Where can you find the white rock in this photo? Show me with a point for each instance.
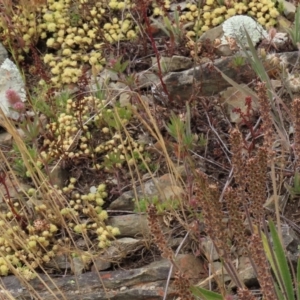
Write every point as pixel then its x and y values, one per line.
pixel 235 27
pixel 10 78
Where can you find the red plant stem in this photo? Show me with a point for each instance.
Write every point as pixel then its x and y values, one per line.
pixel 14 212
pixel 156 54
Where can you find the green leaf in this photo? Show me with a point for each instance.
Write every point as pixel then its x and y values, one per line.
pixel 257 65
pixel 279 292
pixel 298 279
pixel 205 294
pixel 281 260
pixel 294 32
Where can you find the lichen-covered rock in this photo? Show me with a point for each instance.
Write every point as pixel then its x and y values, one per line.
pixel 236 26
pixel 11 80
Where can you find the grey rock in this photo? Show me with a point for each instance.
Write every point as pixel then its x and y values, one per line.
pixel 181 85
pixel 209 249
pixel 58 176
pixel 59 262
pixel 214 34
pixel 125 98
pixel 130 225
pixel 163 188
pixel 182 5
pixel 290 239
pixel 101 264
pixel 219 270
pixel 146 79
pixel 235 26
pixel 116 252
pixel 172 64
pixel 125 202
pixel 246 271
pixel 78 265
pixel 138 284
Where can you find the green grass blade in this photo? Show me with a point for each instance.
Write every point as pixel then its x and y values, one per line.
pixel 205 294
pixel 298 279
pixel 279 293
pixel 269 255
pixel 294 32
pixel 257 65
pixel 282 263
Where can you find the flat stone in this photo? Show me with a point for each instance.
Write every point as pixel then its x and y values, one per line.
pixel 172 64
pixel 139 284
pixel 163 187
pixel 116 252
pixel 130 225
pixel 146 79
pixel 181 85
pixel 59 262
pixel 233 98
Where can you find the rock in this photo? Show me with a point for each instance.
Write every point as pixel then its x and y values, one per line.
pixel 180 85
pixel 125 98
pixel 138 284
pixel 182 5
pixel 116 89
pixel 130 225
pixel 172 64
pixel 276 83
pixel 14 187
pixel 116 252
pixel 289 10
pixel 280 41
pixel 58 176
pixel 11 80
pixel 125 202
pixel 246 272
pixel 190 265
pixel 213 35
pixel 145 79
pixel 101 264
pixel 175 242
pixel 291 242
pixel 232 98
pixel 3 53
pixel 218 269
pixel 6 139
pixel 235 27
pixel 102 79
pixel 209 249
pixel 163 188
pixel 79 264
pixel 59 262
